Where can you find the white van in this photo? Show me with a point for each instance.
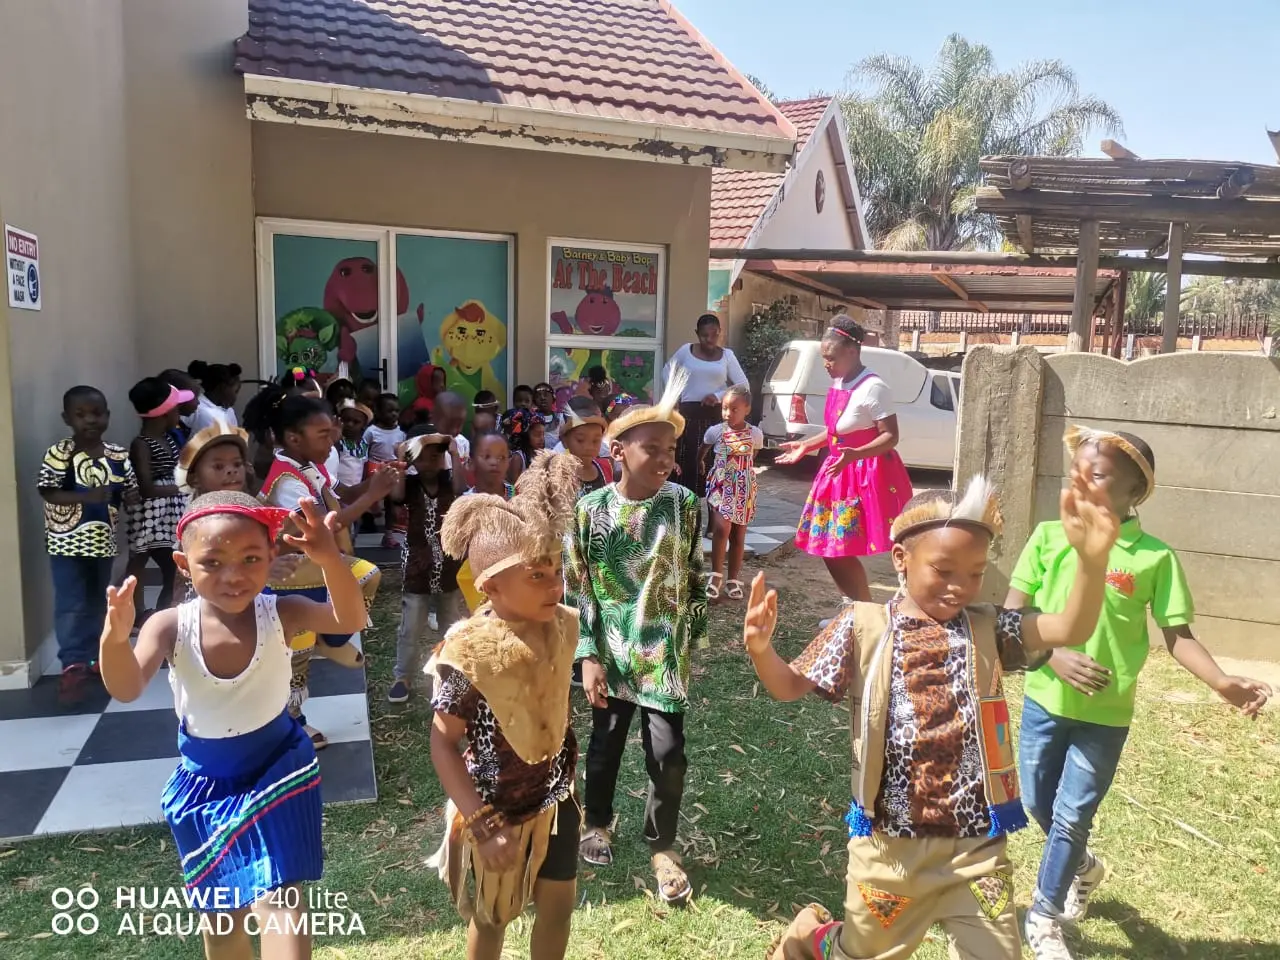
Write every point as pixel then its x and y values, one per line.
pixel 795 393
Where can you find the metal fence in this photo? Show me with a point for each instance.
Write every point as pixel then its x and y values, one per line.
pixel 1204 325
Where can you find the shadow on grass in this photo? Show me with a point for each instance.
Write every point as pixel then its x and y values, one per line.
pixel 1147 941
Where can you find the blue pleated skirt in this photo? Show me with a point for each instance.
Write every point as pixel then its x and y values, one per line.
pixel 246 813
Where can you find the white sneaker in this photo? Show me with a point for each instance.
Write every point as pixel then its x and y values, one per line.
pixel 1082 888
pixel 1044 937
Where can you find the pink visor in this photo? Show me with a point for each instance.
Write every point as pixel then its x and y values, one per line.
pixel 175 398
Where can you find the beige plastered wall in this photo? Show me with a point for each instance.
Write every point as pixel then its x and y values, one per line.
pixel 125 148
pixel 409 182
pixel 813 310
pixel 1213 422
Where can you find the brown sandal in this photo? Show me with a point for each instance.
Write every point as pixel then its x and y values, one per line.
pixel 596 847
pixel 673 882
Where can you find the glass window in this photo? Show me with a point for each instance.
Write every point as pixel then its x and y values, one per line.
pixel 940 392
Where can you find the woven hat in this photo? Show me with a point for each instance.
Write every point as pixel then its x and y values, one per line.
pixel 1077 436
pixel 219 432
pixel 494 534
pixel 664 411
pixel 977 508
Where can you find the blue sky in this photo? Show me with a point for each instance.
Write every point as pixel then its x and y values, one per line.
pixel 1190 80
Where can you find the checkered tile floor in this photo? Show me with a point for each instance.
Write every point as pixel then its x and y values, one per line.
pixel 104 764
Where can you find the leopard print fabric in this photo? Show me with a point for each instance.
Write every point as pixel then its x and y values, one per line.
pixel 518 789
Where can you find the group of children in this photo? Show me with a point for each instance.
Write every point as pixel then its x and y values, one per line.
pixel 273 582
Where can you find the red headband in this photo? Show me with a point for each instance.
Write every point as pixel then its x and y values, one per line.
pixel 273 518
pixel 844 333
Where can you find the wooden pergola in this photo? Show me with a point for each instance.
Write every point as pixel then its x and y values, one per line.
pixel 1165 208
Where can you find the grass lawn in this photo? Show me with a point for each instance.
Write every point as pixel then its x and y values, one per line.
pixel 1191 829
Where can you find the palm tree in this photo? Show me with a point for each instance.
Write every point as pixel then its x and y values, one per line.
pixel 1145 296
pixel 917 134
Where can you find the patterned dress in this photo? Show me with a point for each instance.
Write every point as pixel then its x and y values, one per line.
pixel 153 520
pixel 635 576
pixel 731 484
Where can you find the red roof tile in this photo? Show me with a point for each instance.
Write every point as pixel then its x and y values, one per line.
pixel 739 197
pixel 624 59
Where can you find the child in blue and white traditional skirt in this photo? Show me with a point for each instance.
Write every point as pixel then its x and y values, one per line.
pixel 244 803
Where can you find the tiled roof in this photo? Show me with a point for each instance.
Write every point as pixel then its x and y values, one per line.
pixel 636 60
pixel 739 197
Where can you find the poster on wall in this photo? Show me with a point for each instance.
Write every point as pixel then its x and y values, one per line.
pixel 458 319
pixel 632 370
pixel 22 267
pixel 326 304
pixel 599 291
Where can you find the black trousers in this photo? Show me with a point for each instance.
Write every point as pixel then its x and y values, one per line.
pixel 663 737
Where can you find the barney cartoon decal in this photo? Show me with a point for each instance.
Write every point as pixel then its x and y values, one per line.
pixel 351 295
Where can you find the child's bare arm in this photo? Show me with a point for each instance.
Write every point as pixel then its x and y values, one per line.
pixel 780 679
pixel 127 669
pixel 67 498
pixel 1246 695
pixel 447 732
pixel 1015 599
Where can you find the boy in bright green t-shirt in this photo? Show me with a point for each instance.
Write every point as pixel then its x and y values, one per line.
pixel 1078 707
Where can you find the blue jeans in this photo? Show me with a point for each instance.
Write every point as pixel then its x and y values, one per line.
pixel 79 606
pixel 1066 767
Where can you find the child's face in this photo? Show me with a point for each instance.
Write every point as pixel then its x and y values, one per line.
pixel 545 399
pixel 537 437
pixel 226 395
pixel 311 440
pixel 430 462
pixel 483 421
pixel 839 358
pixel 734 410
pixel 219 468
pixel 1114 473
pixel 944 569
pixel 88 417
pixel 584 441
pixel 523 399
pixel 490 458
pixel 528 591
pixel 648 454
pixel 368 394
pixel 388 413
pixel 353 424
pixel 227 558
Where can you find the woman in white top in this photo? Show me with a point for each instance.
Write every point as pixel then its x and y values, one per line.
pixel 219 388
pixel 711 370
pixel 863 484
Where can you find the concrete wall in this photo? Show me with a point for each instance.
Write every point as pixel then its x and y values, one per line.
pixel 796 223
pixel 408 182
pixel 1213 421
pixel 190 175
pixel 63 176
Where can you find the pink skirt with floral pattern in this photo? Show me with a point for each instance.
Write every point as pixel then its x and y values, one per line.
pixel 849 515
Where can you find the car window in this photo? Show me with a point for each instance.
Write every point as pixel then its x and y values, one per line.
pixel 784 366
pixel 940 393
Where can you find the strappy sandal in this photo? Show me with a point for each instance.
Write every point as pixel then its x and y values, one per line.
pixel 344 655
pixel 713 585
pixel 596 847
pixel 733 590
pixel 673 882
pixel 318 740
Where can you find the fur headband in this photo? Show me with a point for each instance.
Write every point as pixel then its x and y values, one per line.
pixel 664 411
pixel 944 508
pixel 1077 436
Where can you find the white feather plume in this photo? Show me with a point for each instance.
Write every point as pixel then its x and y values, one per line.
pixel 973 505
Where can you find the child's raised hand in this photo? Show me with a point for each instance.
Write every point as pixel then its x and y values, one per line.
pixel 120 612
pixel 315 536
pixel 385 478
pixel 1247 696
pixel 761 618
pixel 1088 521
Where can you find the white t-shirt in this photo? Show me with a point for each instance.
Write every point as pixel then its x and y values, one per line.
pixel 714 432
pixel 288 490
pixel 382 442
pixel 350 466
pixel 705 376
pixel 209 413
pixel 870 403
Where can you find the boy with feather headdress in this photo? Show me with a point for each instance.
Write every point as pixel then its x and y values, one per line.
pixel 501 683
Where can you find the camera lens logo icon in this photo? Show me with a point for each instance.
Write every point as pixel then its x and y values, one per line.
pixel 74 911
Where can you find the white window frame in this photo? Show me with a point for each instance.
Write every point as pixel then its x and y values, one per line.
pixel 385 237
pixel 570 341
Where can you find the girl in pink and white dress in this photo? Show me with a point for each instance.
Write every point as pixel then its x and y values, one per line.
pixel 863 484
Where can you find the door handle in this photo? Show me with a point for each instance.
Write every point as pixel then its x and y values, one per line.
pixel 382 373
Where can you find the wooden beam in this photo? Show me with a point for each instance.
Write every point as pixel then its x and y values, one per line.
pixel 1026 235
pixel 1173 291
pixel 1230 215
pixel 818 259
pixel 953 285
pixel 1080 339
pixel 816 286
pixel 1236 185
pixel 867 303
pixel 1118 151
pixel 1121 304
pixel 1020 174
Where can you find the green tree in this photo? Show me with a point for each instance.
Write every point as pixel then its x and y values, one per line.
pixel 917 134
pixel 1145 296
pixel 762 87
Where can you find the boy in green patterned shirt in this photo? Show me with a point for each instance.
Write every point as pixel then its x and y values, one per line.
pixel 635 575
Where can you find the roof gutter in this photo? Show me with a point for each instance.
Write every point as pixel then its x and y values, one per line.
pixel 310 103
